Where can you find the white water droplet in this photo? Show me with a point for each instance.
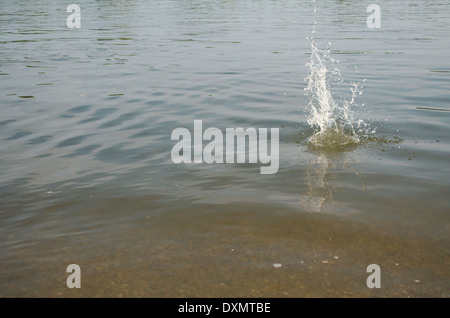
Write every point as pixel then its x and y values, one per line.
pixel 332 119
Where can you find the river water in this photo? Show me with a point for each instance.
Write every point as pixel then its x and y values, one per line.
pixel 86 175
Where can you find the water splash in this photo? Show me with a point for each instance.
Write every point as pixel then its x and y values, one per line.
pixel 332 120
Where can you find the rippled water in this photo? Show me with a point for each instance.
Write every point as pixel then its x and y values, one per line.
pixel 86 176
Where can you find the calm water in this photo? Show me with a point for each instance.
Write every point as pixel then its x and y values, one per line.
pixel 86 176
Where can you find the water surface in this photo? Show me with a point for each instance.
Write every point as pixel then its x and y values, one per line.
pixel 86 175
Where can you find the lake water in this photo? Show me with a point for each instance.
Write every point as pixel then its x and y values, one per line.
pixel 86 175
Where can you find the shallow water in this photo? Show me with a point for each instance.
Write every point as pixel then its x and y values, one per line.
pixel 86 176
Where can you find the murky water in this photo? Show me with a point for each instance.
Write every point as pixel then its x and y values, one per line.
pixel 86 177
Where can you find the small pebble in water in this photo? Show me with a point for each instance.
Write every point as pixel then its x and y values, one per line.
pixel 49 192
pixel 325 262
pixel 396 264
pixel 302 262
pixel 277 265
pixel 336 257
pixel 417 281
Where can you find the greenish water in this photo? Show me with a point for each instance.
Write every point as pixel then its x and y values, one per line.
pixel 86 176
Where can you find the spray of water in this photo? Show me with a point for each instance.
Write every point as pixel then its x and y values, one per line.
pixel 332 120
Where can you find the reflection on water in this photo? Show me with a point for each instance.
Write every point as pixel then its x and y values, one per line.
pixel 323 176
pixel 318 188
